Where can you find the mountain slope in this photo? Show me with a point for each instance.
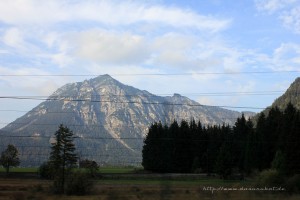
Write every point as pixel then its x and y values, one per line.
pixel 291 95
pixel 108 118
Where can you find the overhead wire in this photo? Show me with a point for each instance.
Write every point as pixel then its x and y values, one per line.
pixel 166 103
pixel 153 74
pixel 232 93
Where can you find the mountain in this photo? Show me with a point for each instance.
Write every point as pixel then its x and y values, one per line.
pixel 291 95
pixel 108 118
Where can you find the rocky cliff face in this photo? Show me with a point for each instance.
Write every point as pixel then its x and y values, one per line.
pixel 110 120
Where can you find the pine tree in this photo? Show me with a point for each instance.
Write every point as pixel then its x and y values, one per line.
pixel 292 150
pixel 250 148
pixel 196 145
pixel 224 161
pixel 259 149
pixel 279 162
pixel 271 136
pixel 240 133
pixel 62 157
pixel 9 157
pixel 151 148
pixel 183 157
pixel 214 142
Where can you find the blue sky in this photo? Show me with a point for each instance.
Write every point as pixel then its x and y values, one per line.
pixel 193 37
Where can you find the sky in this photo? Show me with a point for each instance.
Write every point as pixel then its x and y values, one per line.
pixel 238 54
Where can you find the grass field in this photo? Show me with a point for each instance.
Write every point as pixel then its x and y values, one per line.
pixel 105 170
pixel 24 189
pixel 21 169
pixel 117 170
pixel 146 187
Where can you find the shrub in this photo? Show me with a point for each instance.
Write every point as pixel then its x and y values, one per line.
pixel 45 171
pixel 293 184
pixel 279 162
pixel 78 183
pixel 270 178
pixel 90 165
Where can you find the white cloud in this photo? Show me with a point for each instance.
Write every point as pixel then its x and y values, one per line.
pixel 291 19
pixel 20 42
pixel 288 11
pixel 177 17
pixel 25 12
pixel 36 33
pixel 13 38
pixel 29 85
pixel 286 56
pixel 272 6
pixel 247 87
pixel 283 58
pixel 110 47
pixel 170 50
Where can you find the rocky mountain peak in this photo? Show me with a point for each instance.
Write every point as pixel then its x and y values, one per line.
pixel 104 80
pixel 108 117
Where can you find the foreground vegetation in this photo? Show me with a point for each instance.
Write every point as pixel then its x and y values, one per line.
pixel 103 170
pixel 123 183
pixel 140 189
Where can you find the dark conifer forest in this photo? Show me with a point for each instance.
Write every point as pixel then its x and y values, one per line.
pixel 190 147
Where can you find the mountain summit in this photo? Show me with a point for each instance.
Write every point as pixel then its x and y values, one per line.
pixel 108 118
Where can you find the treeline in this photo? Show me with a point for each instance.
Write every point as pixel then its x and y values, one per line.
pixel 191 147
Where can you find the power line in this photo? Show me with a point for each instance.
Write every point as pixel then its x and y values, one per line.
pixel 150 139
pixel 151 74
pixel 70 125
pixel 130 102
pixel 76 137
pixel 77 147
pixel 155 95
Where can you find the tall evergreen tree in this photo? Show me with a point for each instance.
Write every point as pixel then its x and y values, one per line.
pixel 196 144
pixel 148 148
pixel 170 146
pixel 271 135
pixel 153 148
pixel 240 135
pixel 279 162
pixel 287 126
pixel 250 148
pixel 259 153
pixel 62 157
pixel 224 162
pixel 183 157
pixel 292 150
pixel 214 142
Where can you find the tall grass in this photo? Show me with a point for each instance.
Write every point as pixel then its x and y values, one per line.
pixel 21 169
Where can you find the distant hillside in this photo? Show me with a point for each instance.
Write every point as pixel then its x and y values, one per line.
pixel 110 120
pixel 291 95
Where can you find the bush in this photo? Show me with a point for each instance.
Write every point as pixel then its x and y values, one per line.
pixel 45 171
pixel 293 184
pixel 78 183
pixel 90 165
pixel 270 178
